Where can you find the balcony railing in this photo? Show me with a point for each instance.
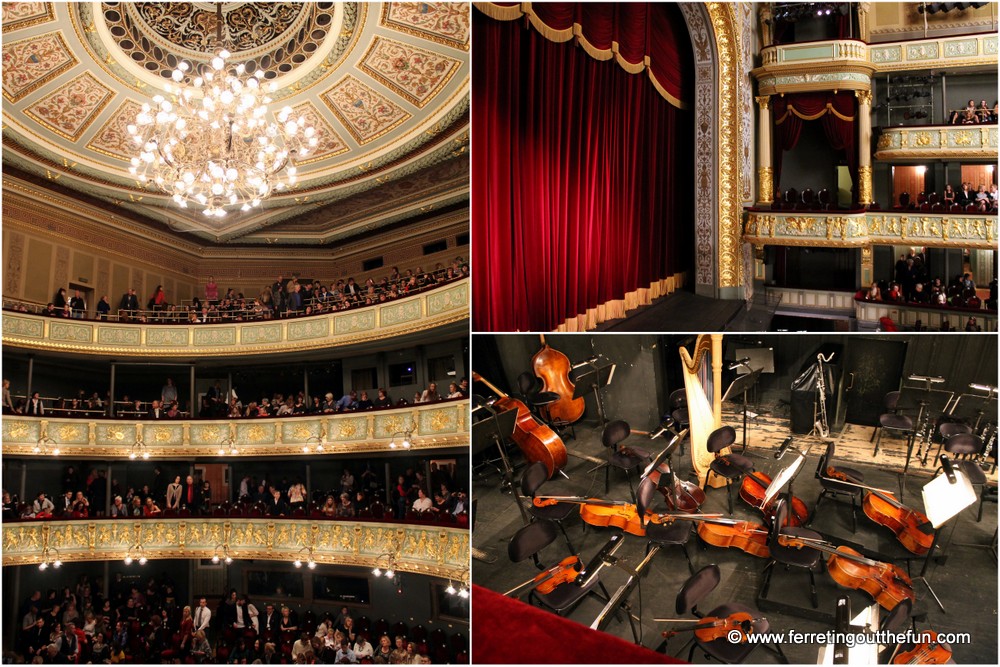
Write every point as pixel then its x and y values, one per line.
pixel 938 141
pixel 423 549
pixel 423 426
pixel 422 312
pixel 838 229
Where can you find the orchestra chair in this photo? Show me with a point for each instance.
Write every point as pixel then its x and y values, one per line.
pixel 677 402
pixel 664 535
pixel 532 479
pixel 731 467
pixel 526 543
pixel 967 444
pixel 891 420
pixel 893 622
pixel 625 459
pixel 828 475
pixel 948 429
pixel 539 401
pixel 790 556
pixel 694 590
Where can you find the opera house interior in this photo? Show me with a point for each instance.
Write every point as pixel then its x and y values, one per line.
pixel 737 498
pixel 763 166
pixel 235 332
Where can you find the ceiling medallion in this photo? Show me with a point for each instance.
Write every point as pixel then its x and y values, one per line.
pixel 213 144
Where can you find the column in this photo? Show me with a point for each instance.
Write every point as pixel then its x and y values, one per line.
pixel 864 184
pixel 867 266
pixel 111 392
pixel 765 174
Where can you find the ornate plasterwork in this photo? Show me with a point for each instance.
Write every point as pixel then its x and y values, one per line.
pixel 441 551
pixel 443 22
pixel 366 113
pixel 414 73
pixel 438 425
pixel 946 142
pixel 29 64
pixel 439 307
pixel 18 15
pixel 70 110
pixel 838 230
pixel 748 49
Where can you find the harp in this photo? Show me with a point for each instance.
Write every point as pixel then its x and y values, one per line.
pixel 703 388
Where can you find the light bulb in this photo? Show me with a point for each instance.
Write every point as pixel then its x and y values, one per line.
pixel 390 573
pixel 43 566
pixel 297 563
pixel 128 560
pixel 377 572
pixel 451 589
pixel 215 559
pixel 55 452
pixel 145 455
pixel 312 564
pixel 57 564
pixel 229 560
pixel 462 593
pixel 142 560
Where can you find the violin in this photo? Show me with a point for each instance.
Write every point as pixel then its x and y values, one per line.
pixel 710 628
pixel 689 496
pixel 925 653
pixel 752 492
pixel 743 535
pixel 885 510
pixel 537 441
pixel 625 516
pixel 552 367
pixel 565 571
pixel 886 583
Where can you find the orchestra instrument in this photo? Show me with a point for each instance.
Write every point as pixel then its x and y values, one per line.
pixel 885 510
pixel 679 495
pixel 710 628
pixel 702 371
pixel 552 367
pixel 822 425
pixel 752 491
pixel 537 441
pixel 565 571
pixel 886 583
pixel 924 653
pixel 743 535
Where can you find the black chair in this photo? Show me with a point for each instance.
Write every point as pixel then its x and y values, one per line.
pixel 968 444
pixel 948 429
pixel 694 590
pixel 731 467
pixel 824 199
pixel 808 200
pixel 791 197
pixel 837 481
pixel 526 543
pixel 662 534
pixel 790 556
pixel 891 420
pixel 532 479
pixel 894 621
pixel 625 459
pixel 677 402
pixel 539 401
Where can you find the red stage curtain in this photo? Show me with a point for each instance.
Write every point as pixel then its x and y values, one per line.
pixel 578 196
pixel 837 113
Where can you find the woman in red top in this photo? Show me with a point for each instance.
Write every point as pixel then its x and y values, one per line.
pixel 211 291
pixel 187 629
pixel 159 299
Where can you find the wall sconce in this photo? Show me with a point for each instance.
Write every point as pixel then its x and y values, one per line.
pixel 407 434
pixel 139 447
pixel 310 561
pixel 135 553
pixel 46 445
pixel 225 557
pixel 319 440
pixel 228 446
pixel 50 556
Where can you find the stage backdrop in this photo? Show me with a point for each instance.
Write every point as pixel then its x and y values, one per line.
pixel 582 180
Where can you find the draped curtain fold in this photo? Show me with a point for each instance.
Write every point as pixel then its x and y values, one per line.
pixel 836 112
pixel 579 197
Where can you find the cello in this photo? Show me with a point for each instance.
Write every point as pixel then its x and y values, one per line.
pixel 886 583
pixel 552 367
pixel 537 441
pixel 752 493
pixel 931 652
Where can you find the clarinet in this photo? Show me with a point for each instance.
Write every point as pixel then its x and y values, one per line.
pixel 822 427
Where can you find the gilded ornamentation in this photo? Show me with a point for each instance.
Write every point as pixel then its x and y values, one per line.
pixel 399 313
pixel 71 109
pixel 865 185
pixel 963 138
pixel 301 432
pixel 765 184
pixel 347 429
pixel 444 22
pixel 884 141
pixel 68 331
pixel 764 102
pixel 29 64
pixel 329 142
pixel 366 113
pixel 442 419
pixel 449 299
pixel 68 433
pixel 23 327
pixel 413 73
pixel 864 97
pixel 114 434
pixel 161 434
pixel 256 433
pixel 922 139
pixel 15 430
pixel 19 15
pixel 113 139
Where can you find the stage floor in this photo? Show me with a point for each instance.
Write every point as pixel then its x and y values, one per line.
pixel 966 583
pixel 680 311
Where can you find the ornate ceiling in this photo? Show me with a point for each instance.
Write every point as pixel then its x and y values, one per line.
pixel 385 85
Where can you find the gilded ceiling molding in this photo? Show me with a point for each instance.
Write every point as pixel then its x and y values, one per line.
pixel 430 426
pixel 433 550
pixel 439 307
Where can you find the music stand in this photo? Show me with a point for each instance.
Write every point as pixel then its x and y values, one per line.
pixel 741 385
pixel 595 378
pixel 785 476
pixel 943 500
pixel 490 431
pixel 927 401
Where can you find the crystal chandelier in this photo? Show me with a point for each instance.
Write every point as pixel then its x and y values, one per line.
pixel 213 145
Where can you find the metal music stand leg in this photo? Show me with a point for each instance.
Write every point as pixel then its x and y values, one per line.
pixel 601 417
pixel 923 571
pixel 909 452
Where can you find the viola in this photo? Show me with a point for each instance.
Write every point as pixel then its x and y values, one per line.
pixel 925 653
pixel 886 583
pixel 537 441
pixel 710 628
pixel 752 492
pixel 625 516
pixel 552 367
pixel 743 535
pixel 905 522
pixel 565 571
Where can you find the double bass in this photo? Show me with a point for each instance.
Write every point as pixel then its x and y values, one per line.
pixel 537 441
pixel 552 367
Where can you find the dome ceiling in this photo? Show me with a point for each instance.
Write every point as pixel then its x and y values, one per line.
pixel 385 85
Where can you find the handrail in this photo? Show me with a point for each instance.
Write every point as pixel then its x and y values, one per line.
pixel 430 309
pixel 441 551
pixel 424 426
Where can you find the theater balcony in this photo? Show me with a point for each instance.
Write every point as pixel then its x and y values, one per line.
pixel 946 142
pixel 423 548
pixel 424 426
pixel 443 310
